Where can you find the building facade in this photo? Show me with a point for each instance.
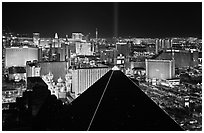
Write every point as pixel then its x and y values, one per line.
pixel 58 69
pixel 159 69
pixel 108 56
pixel 18 56
pixel 123 48
pixel 82 79
pixel 36 39
pixel 183 58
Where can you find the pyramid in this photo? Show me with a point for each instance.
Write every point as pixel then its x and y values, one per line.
pixel 115 68
pixel 115 103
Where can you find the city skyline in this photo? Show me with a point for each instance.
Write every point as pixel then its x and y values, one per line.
pixel 111 19
pixel 130 66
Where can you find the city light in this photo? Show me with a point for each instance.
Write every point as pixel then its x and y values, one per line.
pixel 91 71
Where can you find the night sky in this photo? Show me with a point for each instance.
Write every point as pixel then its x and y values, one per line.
pixel 111 19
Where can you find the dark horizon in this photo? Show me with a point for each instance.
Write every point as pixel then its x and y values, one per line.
pixel 122 19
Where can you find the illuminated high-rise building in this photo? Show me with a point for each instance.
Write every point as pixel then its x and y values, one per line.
pixel 109 56
pixel 84 48
pixel 58 69
pixel 183 58
pixel 18 56
pixel 36 39
pixel 160 69
pixel 77 36
pixel 195 60
pixel 56 42
pixel 79 46
pixel 163 44
pixel 156 46
pixel 123 48
pixel 82 79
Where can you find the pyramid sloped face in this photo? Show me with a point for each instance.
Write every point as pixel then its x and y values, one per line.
pixel 115 103
pixel 82 108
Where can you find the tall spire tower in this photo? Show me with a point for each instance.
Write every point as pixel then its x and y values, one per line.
pixel 96 34
pixel 56 36
pixel 173 55
pixel 172 49
pixel 96 45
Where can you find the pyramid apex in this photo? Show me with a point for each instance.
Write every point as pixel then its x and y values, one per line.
pixel 115 68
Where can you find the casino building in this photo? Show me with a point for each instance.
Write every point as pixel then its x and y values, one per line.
pixel 16 58
pixel 160 69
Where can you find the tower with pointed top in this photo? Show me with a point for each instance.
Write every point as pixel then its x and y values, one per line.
pixel 172 49
pixel 96 34
pixel 56 36
pixel 96 42
pixel 173 61
pixel 55 40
